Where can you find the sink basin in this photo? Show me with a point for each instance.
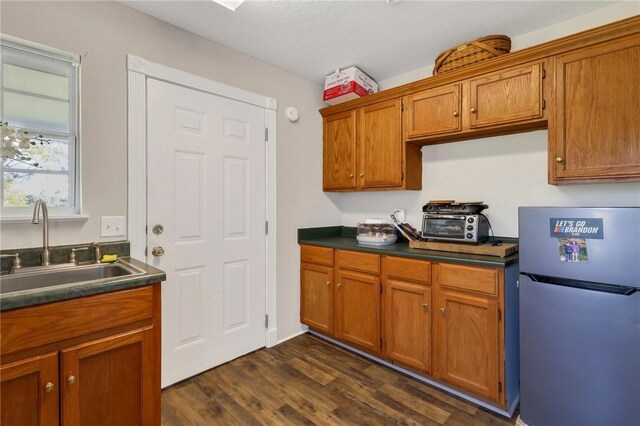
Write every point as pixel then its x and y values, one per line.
pixel 45 278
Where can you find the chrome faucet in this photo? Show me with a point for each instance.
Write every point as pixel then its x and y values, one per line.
pixel 41 205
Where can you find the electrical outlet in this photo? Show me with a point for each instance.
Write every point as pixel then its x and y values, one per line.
pixel 113 226
pixel 401 215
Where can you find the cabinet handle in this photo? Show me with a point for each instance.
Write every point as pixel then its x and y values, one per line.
pixel 328 283
pixel 473 110
pixel 351 175
pixel 71 379
pixel 455 113
pixel 442 311
pixel 339 285
pixel 425 306
pixel 49 387
pixel 361 174
pixel 559 159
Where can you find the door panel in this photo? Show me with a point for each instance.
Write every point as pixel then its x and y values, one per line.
pixel 468 342
pixel 206 186
pixel 380 145
pixel 357 309
pixel 110 381
pixel 316 294
pixel 408 323
pixel 339 151
pixel 506 96
pixel 433 112
pixel 29 392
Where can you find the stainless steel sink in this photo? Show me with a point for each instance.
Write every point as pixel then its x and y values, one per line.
pixel 40 278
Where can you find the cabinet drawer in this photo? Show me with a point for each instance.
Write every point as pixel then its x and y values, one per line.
pixel 27 328
pixel 406 269
pixel 356 261
pixel 317 255
pixel 481 280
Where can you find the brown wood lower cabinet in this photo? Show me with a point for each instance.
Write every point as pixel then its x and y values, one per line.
pixel 452 322
pixel 108 376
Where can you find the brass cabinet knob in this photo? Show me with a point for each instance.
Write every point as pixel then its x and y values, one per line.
pixel 339 285
pixel 157 251
pixel 49 387
pixel 442 311
pixel 350 175
pixel 425 306
pixel 455 113
pixel 71 379
pixel 559 159
pixel 361 174
pixel 473 110
pixel 328 283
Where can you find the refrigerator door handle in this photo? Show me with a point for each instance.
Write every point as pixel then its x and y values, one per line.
pixel 584 285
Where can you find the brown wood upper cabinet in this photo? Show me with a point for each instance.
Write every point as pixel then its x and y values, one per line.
pixel 364 150
pixel 511 97
pixel 595 135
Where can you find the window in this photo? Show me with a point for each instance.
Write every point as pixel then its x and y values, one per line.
pixel 39 115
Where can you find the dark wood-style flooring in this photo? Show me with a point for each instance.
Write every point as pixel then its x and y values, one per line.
pixel 306 381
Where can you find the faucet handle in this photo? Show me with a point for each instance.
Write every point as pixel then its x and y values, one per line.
pixel 17 262
pixel 97 252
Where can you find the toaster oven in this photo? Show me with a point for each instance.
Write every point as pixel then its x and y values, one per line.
pixel 473 228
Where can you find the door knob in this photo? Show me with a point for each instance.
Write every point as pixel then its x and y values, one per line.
pixel 425 306
pixel 361 174
pixel 559 159
pixel 157 251
pixel 455 113
pixel 328 283
pixel 473 110
pixel 350 175
pixel 157 229
pixel 442 311
pixel 71 379
pixel 339 285
pixel 49 387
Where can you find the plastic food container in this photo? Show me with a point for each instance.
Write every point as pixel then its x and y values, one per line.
pixel 376 232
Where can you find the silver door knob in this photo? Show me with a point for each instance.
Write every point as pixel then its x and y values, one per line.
pixel 157 251
pixel 157 229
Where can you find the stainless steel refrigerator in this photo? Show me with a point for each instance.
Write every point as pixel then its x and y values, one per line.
pixel 579 316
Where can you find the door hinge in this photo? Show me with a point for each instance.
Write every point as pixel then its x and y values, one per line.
pixel 266 228
pixel 544 73
pixel 381 343
pixel 544 104
pixel 146 229
pixel 266 321
pixel 499 387
pixel 146 251
pixel 266 134
pixel 499 315
pixel 401 175
pixel 401 106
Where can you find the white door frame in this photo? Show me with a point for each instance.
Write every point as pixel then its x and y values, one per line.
pixel 138 71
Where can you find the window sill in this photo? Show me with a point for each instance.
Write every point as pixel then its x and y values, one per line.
pixel 52 218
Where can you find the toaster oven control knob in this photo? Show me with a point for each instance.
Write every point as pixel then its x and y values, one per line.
pixel 469 235
pixel 470 228
pixel 470 220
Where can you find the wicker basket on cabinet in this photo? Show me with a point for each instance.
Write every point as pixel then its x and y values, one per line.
pixel 472 52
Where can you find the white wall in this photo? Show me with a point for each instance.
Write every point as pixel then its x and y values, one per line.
pixel 103 33
pixel 505 172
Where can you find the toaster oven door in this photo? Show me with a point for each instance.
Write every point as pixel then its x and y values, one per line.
pixel 444 227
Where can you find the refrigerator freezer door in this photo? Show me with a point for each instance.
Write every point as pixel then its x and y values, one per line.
pixel 579 356
pixel 614 259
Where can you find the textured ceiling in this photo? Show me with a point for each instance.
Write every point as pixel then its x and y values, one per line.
pixel 385 39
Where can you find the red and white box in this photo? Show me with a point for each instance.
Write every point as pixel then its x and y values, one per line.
pixel 349 83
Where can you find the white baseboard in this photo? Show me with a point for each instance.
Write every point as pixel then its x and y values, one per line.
pixel 291 336
pixel 272 337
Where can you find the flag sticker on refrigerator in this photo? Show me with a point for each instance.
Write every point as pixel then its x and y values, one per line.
pixel 582 228
pixel 573 250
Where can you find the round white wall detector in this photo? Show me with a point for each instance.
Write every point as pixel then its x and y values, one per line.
pixel 292 114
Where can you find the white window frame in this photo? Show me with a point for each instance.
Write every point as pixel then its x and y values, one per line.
pixel 21 53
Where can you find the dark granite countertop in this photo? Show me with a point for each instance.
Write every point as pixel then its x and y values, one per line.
pixel 343 237
pixel 86 288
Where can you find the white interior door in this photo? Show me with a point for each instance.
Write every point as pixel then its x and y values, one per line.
pixel 206 188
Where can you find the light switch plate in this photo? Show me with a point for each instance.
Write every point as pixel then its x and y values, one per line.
pixel 113 226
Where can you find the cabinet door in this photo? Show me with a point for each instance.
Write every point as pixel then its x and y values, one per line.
pixel 433 112
pixel 316 297
pixel 29 392
pixel 506 96
pixel 467 347
pixel 111 381
pixel 407 320
pixel 339 151
pixel 597 133
pixel 380 145
pixel 358 309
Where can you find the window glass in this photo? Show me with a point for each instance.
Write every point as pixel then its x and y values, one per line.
pixel 39 123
